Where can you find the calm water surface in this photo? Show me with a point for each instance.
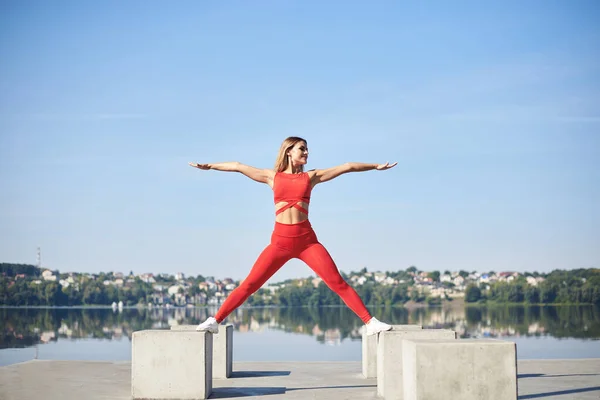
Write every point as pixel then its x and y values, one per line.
pixel 291 334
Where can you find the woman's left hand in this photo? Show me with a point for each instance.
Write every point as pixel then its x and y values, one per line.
pixel 199 166
pixel 385 166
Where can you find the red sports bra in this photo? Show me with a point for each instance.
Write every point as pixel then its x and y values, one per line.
pixel 292 188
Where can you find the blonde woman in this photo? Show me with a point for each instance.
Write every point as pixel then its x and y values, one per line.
pixel 293 236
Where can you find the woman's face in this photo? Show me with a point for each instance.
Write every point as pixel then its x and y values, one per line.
pixel 299 153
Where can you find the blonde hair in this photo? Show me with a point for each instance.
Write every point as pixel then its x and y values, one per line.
pixel 282 162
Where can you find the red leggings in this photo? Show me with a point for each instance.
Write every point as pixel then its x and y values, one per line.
pixel 287 242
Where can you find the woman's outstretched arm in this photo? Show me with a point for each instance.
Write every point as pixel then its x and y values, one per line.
pixel 324 175
pixel 257 174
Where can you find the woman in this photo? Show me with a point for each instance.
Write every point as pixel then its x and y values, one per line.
pixel 293 236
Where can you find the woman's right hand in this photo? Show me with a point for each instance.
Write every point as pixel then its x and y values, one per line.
pixel 200 166
pixel 387 165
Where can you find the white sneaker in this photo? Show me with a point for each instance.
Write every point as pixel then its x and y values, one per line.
pixel 375 326
pixel 211 325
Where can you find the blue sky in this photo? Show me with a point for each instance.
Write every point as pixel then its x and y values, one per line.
pixel 491 111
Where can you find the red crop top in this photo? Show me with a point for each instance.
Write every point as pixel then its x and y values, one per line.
pixel 292 188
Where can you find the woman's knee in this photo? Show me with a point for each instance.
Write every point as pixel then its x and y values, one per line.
pixel 338 285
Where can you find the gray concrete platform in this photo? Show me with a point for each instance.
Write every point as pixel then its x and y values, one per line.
pixel 95 380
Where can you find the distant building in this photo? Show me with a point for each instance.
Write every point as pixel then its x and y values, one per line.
pixel 48 275
pixel 389 281
pixel 272 288
pixel 175 289
pixel 534 281
pixel 459 281
pixel 148 278
pixel 474 276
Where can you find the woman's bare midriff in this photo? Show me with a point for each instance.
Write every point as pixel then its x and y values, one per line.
pixel 292 215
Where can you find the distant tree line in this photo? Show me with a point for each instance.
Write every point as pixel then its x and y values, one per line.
pixel 85 290
pixel 580 286
pixel 12 270
pixel 51 293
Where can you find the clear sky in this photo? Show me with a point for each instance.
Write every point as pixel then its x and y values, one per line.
pixel 492 112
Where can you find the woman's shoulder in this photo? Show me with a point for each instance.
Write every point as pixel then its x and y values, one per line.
pixel 311 176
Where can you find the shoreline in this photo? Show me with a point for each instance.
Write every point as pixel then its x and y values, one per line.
pixel 410 305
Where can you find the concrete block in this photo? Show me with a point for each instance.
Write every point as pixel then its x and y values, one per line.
pixel 222 358
pixel 369 350
pixel 460 369
pixel 389 358
pixel 169 364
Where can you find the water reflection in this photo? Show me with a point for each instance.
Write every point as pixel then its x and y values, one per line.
pixel 328 325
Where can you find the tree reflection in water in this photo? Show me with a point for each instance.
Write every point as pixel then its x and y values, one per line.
pixel 27 327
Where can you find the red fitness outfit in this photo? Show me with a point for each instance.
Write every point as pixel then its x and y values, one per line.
pixel 293 241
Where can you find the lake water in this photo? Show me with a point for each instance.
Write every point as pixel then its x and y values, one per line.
pixel 291 334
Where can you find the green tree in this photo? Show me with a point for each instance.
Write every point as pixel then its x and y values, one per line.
pixel 435 275
pixel 548 293
pixel 400 295
pixel 532 295
pixel 194 290
pixel 472 294
pixel 516 293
